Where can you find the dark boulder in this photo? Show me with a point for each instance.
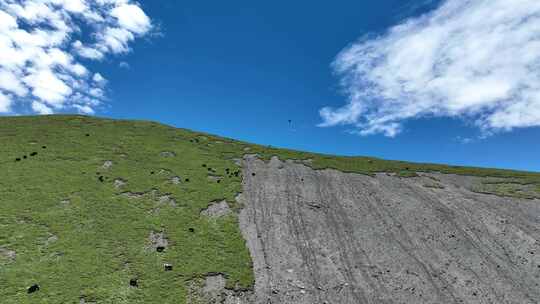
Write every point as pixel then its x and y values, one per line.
pixel 33 288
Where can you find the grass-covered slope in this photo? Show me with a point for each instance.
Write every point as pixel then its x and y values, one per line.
pixel 77 235
pixel 83 201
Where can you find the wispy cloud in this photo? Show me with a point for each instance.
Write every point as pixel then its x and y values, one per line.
pixel 44 45
pixel 474 59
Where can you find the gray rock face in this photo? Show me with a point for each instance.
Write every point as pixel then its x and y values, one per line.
pixel 323 236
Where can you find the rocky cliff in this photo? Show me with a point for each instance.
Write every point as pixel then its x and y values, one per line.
pixel 324 236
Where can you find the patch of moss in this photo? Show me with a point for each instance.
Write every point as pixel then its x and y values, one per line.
pixel 509 188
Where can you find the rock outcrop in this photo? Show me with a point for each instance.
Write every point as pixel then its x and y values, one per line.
pixel 323 236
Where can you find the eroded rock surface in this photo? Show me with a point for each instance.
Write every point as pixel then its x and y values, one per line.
pixel 217 209
pixel 323 236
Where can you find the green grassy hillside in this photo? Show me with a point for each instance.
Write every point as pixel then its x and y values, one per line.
pixel 81 197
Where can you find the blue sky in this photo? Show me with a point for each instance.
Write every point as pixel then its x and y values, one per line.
pixel 243 69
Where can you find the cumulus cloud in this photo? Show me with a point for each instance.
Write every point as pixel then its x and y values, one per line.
pixel 45 44
pixel 478 60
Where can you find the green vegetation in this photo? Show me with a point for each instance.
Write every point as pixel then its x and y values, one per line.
pixel 519 188
pixel 78 237
pixel 76 217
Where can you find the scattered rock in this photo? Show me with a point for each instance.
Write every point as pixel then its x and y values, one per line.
pixel 176 180
pixel 213 290
pixel 215 178
pixel 8 254
pixel 167 199
pixel 119 183
pixel 214 285
pixel 158 240
pixel 51 239
pixel 168 267
pixel 164 172
pixel 33 288
pixel 217 209
pixel 84 301
pixel 167 154
pixel 133 194
pixel 65 202
pixel 107 164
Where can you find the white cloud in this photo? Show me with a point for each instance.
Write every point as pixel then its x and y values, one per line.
pixel 477 59
pixel 87 52
pixel 132 18
pixel 85 109
pixel 43 48
pixel 115 40
pixel 98 79
pixel 9 82
pixel 5 103
pixel 47 86
pixel 41 108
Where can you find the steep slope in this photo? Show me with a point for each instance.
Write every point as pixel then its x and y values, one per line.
pixel 91 211
pixel 106 211
pixel 323 236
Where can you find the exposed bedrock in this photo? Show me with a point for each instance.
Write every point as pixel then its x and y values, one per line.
pixel 323 236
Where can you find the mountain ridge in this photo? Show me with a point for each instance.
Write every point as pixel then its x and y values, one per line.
pixel 116 211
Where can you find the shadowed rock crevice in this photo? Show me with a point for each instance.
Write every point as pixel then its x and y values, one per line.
pixel 324 236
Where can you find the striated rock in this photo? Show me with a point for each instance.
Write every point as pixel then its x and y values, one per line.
pixel 324 236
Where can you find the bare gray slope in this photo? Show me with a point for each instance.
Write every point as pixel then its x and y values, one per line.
pixel 330 237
